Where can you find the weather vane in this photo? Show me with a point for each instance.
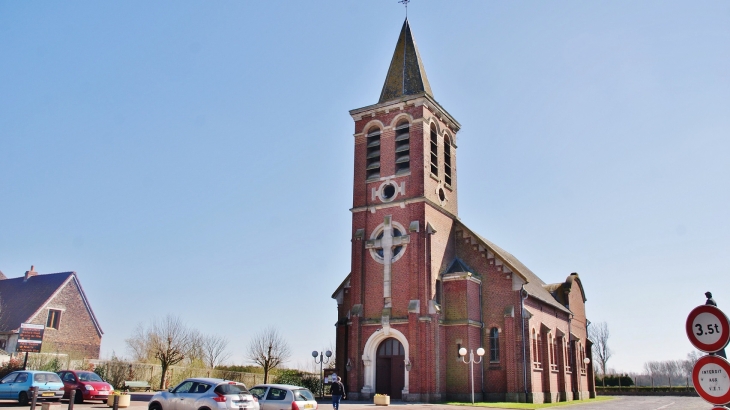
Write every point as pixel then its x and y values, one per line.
pixel 405 3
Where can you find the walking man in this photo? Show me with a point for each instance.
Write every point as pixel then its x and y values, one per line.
pixel 338 392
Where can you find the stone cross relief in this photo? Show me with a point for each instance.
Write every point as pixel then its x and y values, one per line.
pixel 387 244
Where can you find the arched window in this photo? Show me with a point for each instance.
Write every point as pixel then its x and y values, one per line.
pixel 535 351
pixel 447 160
pixel 372 162
pixel 402 148
pixel 567 355
pixel 550 349
pixel 539 348
pixel 434 151
pixel 494 345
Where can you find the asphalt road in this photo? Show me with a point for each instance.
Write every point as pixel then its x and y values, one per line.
pixel 139 402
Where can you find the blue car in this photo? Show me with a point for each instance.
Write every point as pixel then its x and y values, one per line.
pixel 16 386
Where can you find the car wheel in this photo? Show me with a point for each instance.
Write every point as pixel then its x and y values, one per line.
pixel 23 398
pixel 79 397
pixel 155 406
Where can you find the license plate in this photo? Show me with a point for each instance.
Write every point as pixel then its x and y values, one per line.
pixel 48 393
pixel 309 406
pixel 103 393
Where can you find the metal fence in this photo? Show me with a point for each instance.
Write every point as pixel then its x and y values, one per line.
pixel 117 371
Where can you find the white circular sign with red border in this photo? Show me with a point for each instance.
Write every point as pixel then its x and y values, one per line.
pixel 708 329
pixel 711 378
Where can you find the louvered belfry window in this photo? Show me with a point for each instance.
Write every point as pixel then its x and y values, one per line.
pixel 447 160
pixel 434 151
pixel 402 148
pixel 372 163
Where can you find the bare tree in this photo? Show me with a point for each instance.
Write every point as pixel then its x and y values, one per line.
pixel 599 334
pixel 269 350
pixel 214 350
pixel 139 345
pixel 168 340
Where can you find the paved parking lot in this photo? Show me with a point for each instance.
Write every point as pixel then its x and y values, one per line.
pixel 139 402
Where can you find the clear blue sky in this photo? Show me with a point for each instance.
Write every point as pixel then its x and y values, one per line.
pixel 195 158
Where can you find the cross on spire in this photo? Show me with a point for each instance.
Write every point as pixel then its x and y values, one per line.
pixel 405 3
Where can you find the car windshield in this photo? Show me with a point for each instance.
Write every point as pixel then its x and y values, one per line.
pixel 231 389
pixel 89 377
pixel 46 377
pixel 303 395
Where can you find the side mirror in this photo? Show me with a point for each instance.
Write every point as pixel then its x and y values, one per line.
pixel 170 389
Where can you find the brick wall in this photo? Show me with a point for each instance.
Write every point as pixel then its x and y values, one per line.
pixel 76 334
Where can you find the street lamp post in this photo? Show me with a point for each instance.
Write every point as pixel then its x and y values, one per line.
pixel 322 360
pixel 480 353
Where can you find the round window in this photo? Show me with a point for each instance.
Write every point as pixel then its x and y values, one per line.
pixel 388 191
pixel 397 249
pixel 442 194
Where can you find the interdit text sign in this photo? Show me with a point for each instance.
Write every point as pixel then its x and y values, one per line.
pixel 711 378
pixel 30 338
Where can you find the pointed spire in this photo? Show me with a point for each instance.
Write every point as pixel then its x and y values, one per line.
pixel 406 75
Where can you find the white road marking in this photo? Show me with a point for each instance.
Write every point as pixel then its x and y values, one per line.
pixel 664 406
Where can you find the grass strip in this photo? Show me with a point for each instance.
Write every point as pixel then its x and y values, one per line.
pixel 510 405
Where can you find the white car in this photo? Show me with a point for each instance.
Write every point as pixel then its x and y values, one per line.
pixel 284 397
pixel 205 394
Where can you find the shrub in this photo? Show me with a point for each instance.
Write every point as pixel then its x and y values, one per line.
pixel 10 366
pixel 299 378
pixel 614 380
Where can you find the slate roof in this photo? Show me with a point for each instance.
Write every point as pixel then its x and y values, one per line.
pixel 534 286
pixel 406 75
pixel 21 299
pixel 458 266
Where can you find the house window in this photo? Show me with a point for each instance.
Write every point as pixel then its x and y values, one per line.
pixel 447 160
pixel 372 162
pixel 54 318
pixel 402 148
pixel 434 151
pixel 494 345
pixel 567 356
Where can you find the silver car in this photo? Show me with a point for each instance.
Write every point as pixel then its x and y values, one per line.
pixel 284 397
pixel 205 394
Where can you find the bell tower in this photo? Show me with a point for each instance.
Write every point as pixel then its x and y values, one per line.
pixel 405 145
pixel 404 193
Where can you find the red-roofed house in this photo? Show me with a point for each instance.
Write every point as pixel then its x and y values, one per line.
pixel 55 300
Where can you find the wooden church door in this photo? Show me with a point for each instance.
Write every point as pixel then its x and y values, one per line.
pixel 390 369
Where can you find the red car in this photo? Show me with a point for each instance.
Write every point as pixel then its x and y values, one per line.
pixel 88 385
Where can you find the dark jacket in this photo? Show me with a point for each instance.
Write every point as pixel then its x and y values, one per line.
pixel 337 389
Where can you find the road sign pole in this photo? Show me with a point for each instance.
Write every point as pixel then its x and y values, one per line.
pixel 25 361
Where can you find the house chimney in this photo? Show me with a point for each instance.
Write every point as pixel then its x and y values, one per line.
pixel 30 273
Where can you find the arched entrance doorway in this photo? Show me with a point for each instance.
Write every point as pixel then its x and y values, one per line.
pixel 390 369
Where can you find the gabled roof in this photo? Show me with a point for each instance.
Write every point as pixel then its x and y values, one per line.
pixel 533 284
pixel 561 290
pixel 345 284
pixel 406 75
pixel 23 298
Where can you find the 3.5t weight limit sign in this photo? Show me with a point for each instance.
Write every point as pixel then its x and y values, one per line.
pixel 708 329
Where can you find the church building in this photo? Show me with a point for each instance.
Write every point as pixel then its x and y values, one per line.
pixel 422 285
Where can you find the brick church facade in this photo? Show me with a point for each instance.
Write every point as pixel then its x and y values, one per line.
pixel 423 285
